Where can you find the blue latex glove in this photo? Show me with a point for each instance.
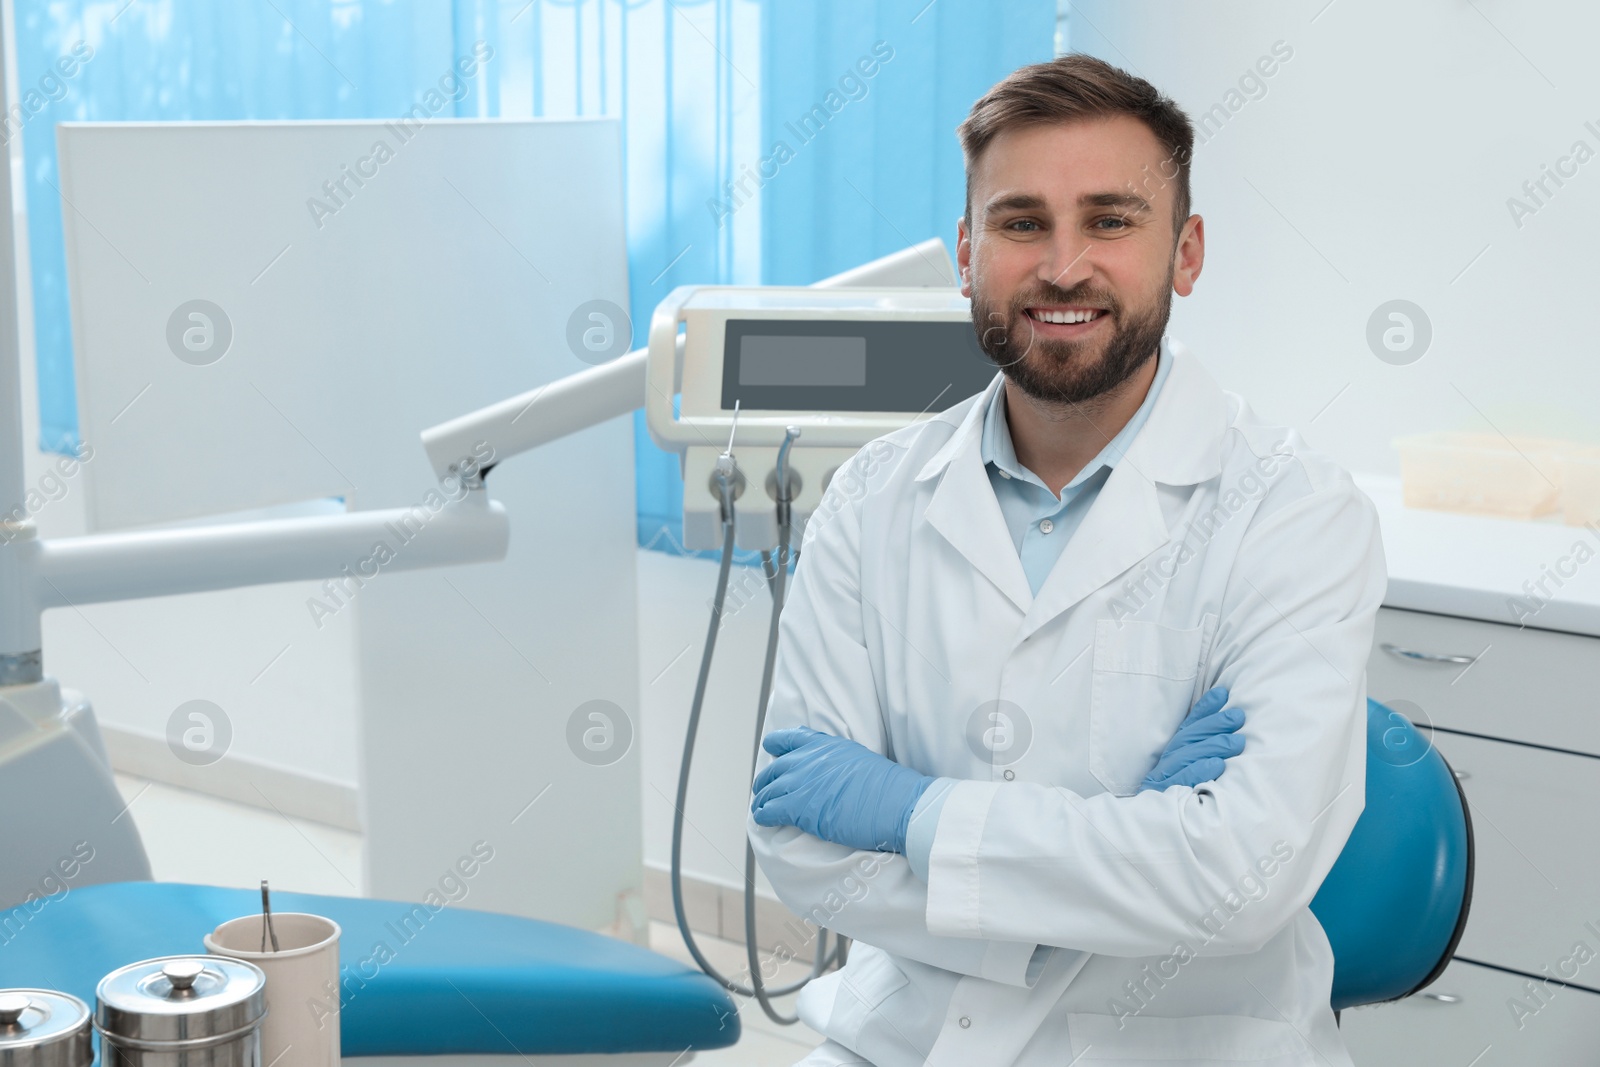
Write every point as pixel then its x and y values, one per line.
pixel 1199 751
pixel 836 789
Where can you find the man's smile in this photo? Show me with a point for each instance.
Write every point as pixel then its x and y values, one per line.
pixel 1065 321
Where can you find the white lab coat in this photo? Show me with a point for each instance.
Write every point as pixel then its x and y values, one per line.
pixel 1221 551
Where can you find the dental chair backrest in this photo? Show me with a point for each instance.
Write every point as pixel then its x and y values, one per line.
pixel 1396 901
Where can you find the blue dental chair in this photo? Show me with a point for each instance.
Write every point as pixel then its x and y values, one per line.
pixel 1396 901
pixel 454 982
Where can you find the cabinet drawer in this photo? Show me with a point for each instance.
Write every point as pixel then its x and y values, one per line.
pixel 1537 882
pixel 1476 1025
pixel 1523 684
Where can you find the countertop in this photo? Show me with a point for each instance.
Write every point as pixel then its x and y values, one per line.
pixel 1488 568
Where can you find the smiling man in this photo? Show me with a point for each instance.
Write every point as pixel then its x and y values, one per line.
pixel 1068 718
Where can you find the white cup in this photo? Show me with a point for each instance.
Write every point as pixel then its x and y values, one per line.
pixel 302 1024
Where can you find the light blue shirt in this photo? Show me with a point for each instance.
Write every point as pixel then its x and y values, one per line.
pixel 1040 523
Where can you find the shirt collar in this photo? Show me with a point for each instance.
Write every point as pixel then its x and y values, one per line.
pixel 1180 445
pixel 996 449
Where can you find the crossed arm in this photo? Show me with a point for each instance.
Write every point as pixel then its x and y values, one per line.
pixel 842 791
pixel 1140 870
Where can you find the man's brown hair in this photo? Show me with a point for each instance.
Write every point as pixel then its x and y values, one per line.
pixel 1074 87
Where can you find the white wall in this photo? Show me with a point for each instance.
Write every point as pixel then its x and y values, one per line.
pixel 289 691
pixel 1377 165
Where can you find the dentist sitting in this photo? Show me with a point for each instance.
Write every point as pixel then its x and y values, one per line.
pixel 1068 723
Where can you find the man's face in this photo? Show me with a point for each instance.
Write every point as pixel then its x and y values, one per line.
pixel 1074 220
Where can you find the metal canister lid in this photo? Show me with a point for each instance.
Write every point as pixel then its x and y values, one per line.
pixel 43 1028
pixel 189 1000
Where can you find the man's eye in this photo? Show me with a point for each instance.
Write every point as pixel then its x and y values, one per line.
pixel 1023 222
pixel 1121 222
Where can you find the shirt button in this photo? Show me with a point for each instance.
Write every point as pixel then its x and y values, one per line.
pixel 1006 476
pixel 1010 775
pixel 1045 526
pixel 966 1021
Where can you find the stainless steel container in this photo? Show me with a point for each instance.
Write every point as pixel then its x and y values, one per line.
pixel 43 1028
pixel 181 1011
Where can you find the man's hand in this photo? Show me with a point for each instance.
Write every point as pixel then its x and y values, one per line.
pixel 1199 751
pixel 836 789
pixel 843 792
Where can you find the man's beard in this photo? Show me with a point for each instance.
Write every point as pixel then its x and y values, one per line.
pixel 1057 371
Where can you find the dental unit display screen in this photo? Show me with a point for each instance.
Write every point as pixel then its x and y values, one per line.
pixel 786 361
pixel 845 365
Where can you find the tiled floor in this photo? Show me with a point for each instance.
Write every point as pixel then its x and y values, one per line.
pixel 195 838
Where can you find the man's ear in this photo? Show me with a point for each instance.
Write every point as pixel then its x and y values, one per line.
pixel 1189 256
pixel 964 256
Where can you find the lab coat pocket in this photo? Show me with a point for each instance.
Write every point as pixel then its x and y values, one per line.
pixel 866 982
pixel 1146 678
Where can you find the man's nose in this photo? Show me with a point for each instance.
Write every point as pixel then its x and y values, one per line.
pixel 1067 262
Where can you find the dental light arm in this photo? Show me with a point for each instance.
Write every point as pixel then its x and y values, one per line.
pixel 125 566
pixel 73 571
pixel 538 416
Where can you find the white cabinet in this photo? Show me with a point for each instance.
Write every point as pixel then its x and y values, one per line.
pixel 1537 892
pixel 1521 684
pixel 1514 711
pixel 1466 1019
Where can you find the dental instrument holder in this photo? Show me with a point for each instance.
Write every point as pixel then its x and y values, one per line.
pixel 693 348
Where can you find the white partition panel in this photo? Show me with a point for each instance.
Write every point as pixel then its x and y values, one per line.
pixel 271 312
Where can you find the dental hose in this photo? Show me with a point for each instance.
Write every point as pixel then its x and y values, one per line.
pixel 776 581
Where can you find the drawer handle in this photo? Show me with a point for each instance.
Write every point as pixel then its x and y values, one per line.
pixel 1444 998
pixel 1426 657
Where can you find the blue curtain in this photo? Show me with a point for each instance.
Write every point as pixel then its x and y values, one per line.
pixel 877 165
pixel 172 60
pixel 766 141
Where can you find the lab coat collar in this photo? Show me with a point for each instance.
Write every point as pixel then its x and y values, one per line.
pixel 965 510
pixel 1180 444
